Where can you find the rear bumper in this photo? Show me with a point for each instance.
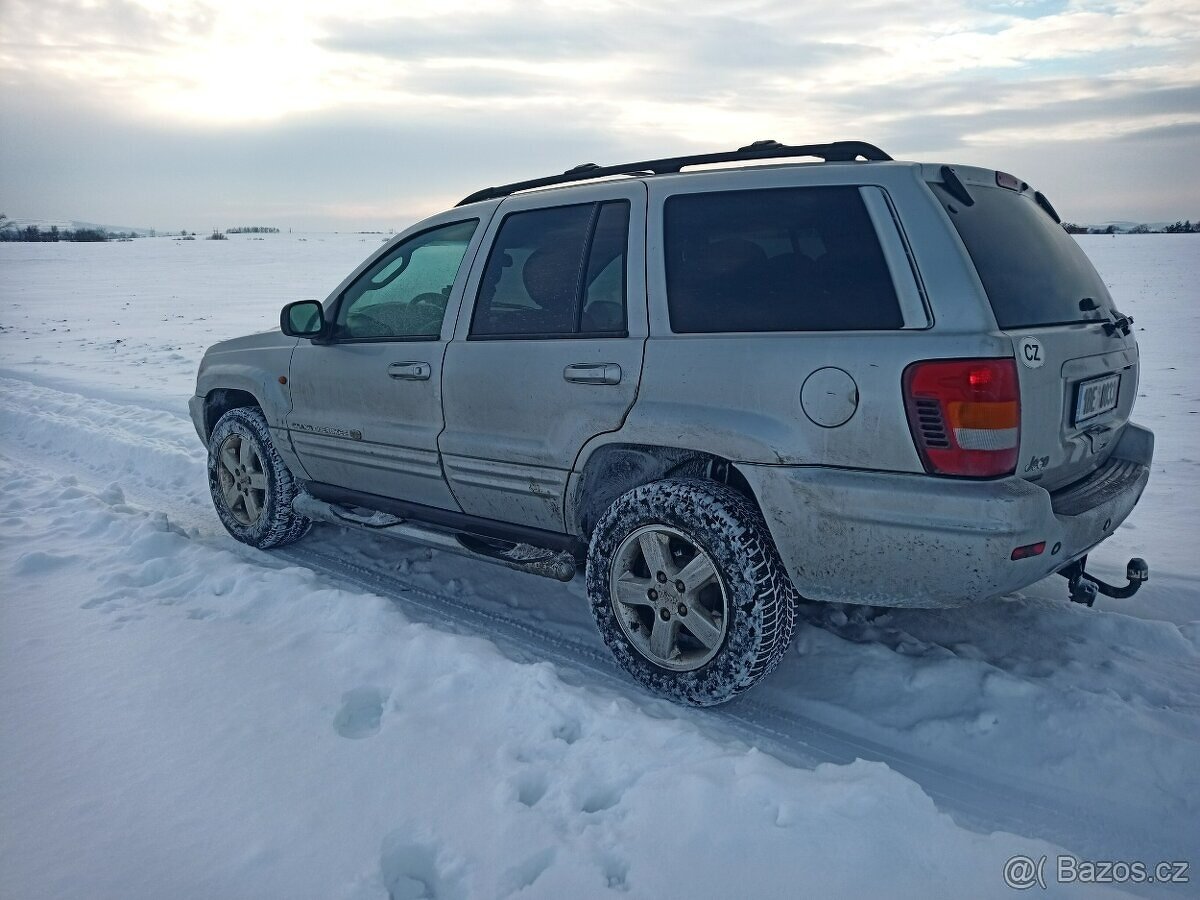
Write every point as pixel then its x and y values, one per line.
pixel 914 540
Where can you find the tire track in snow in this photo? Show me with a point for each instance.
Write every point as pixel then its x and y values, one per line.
pixel 117 396
pixel 975 801
pixel 110 441
pixel 158 451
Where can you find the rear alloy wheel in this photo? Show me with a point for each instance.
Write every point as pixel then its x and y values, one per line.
pixel 667 598
pixel 688 591
pixel 252 489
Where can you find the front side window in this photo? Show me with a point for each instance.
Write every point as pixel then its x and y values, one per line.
pixel 557 271
pixel 783 259
pixel 404 294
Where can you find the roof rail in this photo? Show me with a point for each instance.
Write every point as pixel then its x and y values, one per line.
pixel 839 151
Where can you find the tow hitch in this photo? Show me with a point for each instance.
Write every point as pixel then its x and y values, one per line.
pixel 1084 587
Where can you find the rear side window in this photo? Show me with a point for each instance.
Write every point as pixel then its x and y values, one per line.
pixel 1033 271
pixel 787 259
pixel 557 271
pixel 603 302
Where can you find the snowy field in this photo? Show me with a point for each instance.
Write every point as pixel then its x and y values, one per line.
pixel 183 716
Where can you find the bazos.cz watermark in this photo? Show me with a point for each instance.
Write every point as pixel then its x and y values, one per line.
pixel 1024 872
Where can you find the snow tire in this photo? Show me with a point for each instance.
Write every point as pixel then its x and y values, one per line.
pixel 761 600
pixel 276 525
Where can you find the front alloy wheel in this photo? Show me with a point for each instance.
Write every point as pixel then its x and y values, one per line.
pixel 243 481
pixel 252 489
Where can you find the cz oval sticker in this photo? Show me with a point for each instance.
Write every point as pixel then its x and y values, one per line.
pixel 1030 352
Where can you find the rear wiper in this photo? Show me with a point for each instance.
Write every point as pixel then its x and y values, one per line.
pixel 1118 322
pixel 1121 324
pixel 955 188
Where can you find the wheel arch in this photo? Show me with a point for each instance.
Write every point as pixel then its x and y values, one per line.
pixel 612 469
pixel 219 401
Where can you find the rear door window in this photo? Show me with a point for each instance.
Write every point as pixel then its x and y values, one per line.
pixel 1034 273
pixel 603 303
pixel 785 259
pixel 556 272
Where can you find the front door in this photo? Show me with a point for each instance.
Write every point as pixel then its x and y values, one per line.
pixel 549 353
pixel 367 402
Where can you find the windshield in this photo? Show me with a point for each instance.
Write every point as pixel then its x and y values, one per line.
pixel 1033 271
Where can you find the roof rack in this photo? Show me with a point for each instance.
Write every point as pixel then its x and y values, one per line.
pixel 839 151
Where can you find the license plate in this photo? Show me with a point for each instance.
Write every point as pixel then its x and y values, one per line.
pixel 1096 397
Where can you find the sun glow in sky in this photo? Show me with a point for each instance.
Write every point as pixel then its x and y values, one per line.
pixel 366 115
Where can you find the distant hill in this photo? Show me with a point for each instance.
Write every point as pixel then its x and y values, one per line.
pixel 1125 226
pixel 76 225
pixel 125 228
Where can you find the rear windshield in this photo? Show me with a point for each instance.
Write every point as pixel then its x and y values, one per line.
pixel 786 259
pixel 1033 271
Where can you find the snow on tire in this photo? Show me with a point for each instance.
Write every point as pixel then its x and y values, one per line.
pixel 251 487
pixel 688 591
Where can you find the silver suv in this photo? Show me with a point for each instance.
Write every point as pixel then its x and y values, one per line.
pixel 718 391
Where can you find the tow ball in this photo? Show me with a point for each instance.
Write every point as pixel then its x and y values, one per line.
pixel 1083 587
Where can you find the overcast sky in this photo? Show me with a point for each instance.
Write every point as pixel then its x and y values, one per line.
pixel 356 115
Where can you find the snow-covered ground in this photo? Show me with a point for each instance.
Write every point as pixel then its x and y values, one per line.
pixel 183 716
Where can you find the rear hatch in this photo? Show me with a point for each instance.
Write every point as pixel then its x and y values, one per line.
pixel 1077 358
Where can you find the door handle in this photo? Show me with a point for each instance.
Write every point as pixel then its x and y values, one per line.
pixel 409 371
pixel 593 373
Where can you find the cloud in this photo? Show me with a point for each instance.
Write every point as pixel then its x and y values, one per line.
pixel 537 35
pixel 596 65
pixel 67 162
pixel 287 105
pixel 542 35
pixel 123 25
pixel 950 119
pixel 1180 131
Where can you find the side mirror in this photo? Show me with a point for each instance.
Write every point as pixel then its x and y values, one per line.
pixel 304 319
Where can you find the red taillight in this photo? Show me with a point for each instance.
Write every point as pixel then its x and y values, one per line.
pixel 965 415
pixel 1028 550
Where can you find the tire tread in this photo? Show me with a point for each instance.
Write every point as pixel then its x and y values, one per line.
pixel 732 529
pixel 279 524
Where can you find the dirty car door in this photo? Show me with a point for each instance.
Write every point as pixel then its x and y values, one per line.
pixel 550 353
pixel 367 403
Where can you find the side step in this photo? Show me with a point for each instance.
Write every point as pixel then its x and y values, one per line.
pixel 521 557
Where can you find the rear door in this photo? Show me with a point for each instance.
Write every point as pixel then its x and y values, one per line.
pixel 1077 364
pixel 549 353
